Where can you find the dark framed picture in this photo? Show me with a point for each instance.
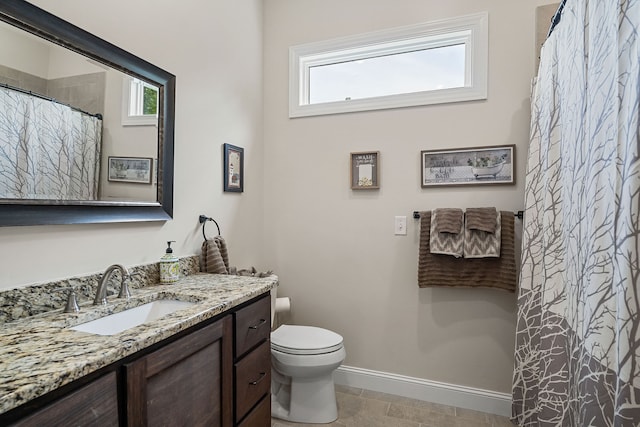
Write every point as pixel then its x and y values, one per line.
pixel 233 168
pixel 468 166
pixel 130 169
pixel 365 168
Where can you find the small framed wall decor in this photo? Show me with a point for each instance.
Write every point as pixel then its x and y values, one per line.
pixel 468 166
pixel 130 169
pixel 365 167
pixel 233 168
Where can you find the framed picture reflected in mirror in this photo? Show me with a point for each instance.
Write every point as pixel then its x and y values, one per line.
pixel 130 169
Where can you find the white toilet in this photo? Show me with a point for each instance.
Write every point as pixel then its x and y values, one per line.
pixel 303 359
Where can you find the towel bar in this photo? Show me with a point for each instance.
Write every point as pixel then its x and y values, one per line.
pixel 519 214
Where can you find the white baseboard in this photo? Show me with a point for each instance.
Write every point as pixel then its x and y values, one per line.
pixel 421 389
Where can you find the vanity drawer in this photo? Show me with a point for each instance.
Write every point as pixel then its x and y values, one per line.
pixel 260 416
pixel 253 378
pixel 253 325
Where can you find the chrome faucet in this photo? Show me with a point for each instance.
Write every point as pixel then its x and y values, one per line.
pixel 101 292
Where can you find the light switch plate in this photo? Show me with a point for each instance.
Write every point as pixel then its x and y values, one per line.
pixel 401 226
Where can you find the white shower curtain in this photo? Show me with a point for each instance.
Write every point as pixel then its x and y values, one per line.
pixel 578 338
pixel 48 151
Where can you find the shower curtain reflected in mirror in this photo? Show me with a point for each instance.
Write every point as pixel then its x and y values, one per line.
pixel 48 151
pixel 578 339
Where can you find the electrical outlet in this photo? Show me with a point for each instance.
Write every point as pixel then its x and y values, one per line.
pixel 401 226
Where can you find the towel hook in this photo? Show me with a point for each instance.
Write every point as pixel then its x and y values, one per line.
pixel 203 220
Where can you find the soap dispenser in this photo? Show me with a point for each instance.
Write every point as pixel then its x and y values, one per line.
pixel 169 266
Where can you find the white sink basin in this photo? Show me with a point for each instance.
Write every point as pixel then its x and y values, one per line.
pixel 118 322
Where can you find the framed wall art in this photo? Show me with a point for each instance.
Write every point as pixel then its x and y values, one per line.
pixel 233 168
pixel 130 169
pixel 468 166
pixel 365 168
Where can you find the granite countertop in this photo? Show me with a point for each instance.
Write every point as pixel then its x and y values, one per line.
pixel 39 354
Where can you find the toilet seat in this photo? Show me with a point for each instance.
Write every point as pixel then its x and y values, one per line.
pixel 305 340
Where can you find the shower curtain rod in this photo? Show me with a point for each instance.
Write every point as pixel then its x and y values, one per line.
pixel 519 214
pixel 46 98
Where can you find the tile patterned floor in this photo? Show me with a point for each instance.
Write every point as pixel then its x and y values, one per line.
pixel 364 408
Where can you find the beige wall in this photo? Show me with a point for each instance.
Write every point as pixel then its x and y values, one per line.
pixel 13 45
pixel 215 49
pixel 334 248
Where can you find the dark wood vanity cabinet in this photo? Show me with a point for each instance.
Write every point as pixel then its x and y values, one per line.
pixel 218 375
pixel 185 383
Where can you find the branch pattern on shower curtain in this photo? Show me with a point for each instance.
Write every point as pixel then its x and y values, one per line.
pixel 578 340
pixel 48 151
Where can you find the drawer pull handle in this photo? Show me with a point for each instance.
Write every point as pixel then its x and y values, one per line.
pixel 262 375
pixel 260 323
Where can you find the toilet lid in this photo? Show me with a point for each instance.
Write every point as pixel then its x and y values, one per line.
pixel 294 339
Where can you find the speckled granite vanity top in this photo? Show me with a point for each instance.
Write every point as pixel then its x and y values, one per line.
pixel 39 354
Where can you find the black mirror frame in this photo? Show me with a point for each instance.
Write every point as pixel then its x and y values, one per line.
pixel 22 212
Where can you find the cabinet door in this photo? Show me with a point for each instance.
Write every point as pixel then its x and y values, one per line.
pixel 93 404
pixel 184 383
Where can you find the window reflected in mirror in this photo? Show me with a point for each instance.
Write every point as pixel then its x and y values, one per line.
pixel 140 103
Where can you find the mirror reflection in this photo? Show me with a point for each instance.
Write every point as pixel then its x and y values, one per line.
pixel 71 128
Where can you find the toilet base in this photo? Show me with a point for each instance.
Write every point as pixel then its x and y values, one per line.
pixel 314 399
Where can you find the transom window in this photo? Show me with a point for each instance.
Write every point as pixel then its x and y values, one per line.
pixel 443 61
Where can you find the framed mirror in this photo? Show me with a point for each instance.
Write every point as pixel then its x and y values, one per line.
pixel 86 136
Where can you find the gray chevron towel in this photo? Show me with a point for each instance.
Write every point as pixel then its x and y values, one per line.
pixel 215 257
pixel 441 270
pixel 482 244
pixel 447 243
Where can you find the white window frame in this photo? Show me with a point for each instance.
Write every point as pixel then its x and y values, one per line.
pixel 472 30
pixel 130 96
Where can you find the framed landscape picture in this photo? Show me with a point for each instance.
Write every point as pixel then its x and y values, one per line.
pixel 468 166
